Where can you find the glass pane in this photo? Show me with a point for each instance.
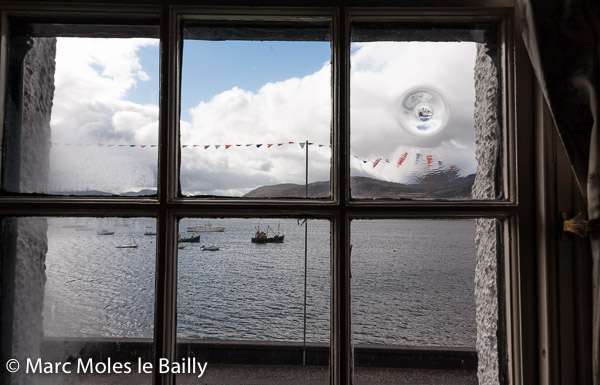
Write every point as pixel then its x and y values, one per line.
pixel 424 296
pixel 84 119
pixel 256 110
pixel 424 114
pixel 241 299
pixel 83 297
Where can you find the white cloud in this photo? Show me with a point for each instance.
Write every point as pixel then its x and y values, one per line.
pixel 381 74
pixel 92 79
pixel 94 76
pixel 299 109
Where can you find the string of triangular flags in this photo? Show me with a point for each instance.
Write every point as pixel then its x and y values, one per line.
pixel 375 162
pixel 402 159
pixel 204 146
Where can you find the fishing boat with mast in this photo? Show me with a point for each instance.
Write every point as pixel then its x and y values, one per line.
pixel 264 237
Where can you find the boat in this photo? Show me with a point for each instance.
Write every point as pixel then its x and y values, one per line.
pixel 150 233
pixel 210 248
pixel 263 236
pixel 131 245
pixel 181 247
pixel 206 228
pixel 105 232
pixel 192 239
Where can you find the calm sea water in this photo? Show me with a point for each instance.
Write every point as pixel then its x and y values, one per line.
pixel 412 281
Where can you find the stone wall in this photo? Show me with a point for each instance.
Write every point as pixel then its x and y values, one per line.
pixel 27 236
pixel 487 139
pixel 38 92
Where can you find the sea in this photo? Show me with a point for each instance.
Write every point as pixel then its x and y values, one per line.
pixel 411 281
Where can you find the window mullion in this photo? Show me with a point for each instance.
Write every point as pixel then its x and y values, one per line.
pixel 165 323
pixel 341 349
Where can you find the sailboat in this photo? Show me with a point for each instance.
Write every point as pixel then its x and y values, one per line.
pixel 131 245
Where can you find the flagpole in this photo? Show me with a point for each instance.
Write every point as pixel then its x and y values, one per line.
pixel 305 259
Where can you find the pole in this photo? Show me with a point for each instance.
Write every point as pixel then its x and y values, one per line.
pixel 305 260
pixel 306 173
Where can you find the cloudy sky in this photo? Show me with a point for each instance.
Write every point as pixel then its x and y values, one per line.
pixel 242 104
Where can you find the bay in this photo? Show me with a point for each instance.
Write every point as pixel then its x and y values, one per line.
pixel 412 281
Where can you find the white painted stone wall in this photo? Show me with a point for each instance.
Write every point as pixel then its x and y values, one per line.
pixel 486 268
pixel 38 91
pixel 30 233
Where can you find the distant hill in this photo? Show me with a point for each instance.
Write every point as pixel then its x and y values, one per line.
pixel 442 185
pixel 141 193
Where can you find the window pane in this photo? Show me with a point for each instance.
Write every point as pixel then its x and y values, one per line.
pixel 256 109
pixel 83 294
pixel 241 298
pixel 424 120
pixel 84 119
pixel 424 296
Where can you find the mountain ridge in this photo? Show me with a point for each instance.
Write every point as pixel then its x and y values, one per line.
pixel 442 185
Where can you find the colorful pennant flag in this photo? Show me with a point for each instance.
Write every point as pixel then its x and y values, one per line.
pixel 402 159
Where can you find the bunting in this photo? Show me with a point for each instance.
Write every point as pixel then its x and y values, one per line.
pixel 430 161
pixel 402 159
pixel 205 146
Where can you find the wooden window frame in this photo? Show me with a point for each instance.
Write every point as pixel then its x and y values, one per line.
pixel 516 211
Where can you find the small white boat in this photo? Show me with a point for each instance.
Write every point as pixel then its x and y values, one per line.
pixel 131 245
pixel 105 232
pixel 207 228
pixel 210 248
pixel 181 247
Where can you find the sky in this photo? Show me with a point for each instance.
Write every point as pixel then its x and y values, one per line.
pixel 242 103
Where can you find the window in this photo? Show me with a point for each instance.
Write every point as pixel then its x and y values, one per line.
pixel 330 189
